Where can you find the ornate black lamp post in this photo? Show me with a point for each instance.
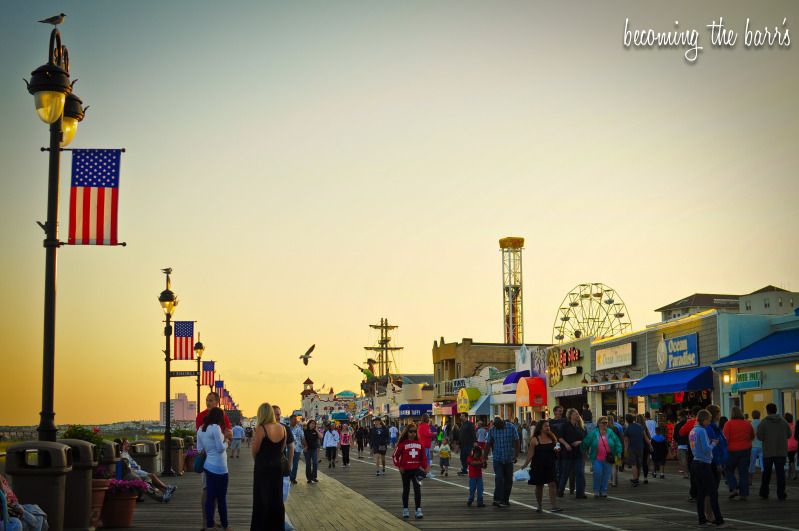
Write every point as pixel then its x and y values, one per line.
pixel 199 348
pixel 58 107
pixel 168 302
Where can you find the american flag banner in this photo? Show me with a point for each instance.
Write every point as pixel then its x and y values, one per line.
pixel 184 341
pixel 94 197
pixel 208 373
pixel 219 386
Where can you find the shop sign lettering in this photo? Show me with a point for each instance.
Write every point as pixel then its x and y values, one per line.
pixel 558 359
pixel 747 380
pixel 678 352
pixel 615 356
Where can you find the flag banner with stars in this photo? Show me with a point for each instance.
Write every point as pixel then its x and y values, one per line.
pixel 94 197
pixel 208 373
pixel 184 341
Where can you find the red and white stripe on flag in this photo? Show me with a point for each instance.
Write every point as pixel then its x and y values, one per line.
pixel 208 373
pixel 94 197
pixel 184 341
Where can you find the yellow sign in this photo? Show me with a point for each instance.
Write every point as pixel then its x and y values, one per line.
pixel 466 398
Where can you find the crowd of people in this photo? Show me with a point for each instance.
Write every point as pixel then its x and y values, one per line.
pixel 552 453
pixel 708 447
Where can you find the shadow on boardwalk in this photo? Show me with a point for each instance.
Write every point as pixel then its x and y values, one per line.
pixel 327 505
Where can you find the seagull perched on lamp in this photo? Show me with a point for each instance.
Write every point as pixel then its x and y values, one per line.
pixel 55 21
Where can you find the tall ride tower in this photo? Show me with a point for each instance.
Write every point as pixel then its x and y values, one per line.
pixel 512 311
pixel 385 357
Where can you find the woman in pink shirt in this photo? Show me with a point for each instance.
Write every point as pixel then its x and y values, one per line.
pixel 793 444
pixel 739 434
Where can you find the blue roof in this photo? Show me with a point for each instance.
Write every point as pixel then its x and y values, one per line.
pixel 785 342
pixel 511 379
pixel 482 407
pixel 697 379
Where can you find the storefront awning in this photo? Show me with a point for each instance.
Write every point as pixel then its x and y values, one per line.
pixel 697 379
pixel 481 407
pixel 531 392
pixel 511 381
pixel 772 348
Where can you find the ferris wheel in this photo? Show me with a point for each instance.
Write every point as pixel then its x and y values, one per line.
pixel 590 310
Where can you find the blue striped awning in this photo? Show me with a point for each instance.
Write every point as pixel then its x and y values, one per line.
pixel 697 379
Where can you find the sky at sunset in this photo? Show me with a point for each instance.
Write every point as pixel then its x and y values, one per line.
pixel 307 168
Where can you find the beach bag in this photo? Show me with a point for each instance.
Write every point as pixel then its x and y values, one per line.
pixel 199 462
pixel 609 458
pixel 285 468
pixel 8 523
pixel 523 474
pixel 286 488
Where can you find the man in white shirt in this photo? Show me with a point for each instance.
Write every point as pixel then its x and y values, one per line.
pixel 393 433
pixel 299 444
pixel 235 444
pixel 651 425
pixel 331 444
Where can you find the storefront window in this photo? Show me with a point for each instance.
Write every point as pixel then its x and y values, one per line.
pixel 609 402
pixel 575 402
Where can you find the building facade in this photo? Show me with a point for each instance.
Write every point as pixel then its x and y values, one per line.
pixel 180 409
pixel 456 361
pixel 322 406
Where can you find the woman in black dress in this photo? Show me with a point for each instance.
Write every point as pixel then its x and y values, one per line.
pixel 269 440
pixel 543 452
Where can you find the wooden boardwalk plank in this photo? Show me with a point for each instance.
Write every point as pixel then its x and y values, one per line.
pixel 327 505
pixel 661 504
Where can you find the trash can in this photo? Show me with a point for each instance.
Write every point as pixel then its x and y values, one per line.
pixel 148 454
pixel 109 455
pixel 78 494
pixel 176 454
pixel 38 472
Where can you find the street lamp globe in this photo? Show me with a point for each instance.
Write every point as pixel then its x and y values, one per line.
pixel 168 302
pixel 73 115
pixel 199 348
pixel 49 85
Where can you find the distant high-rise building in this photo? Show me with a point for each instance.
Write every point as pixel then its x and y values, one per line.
pixel 181 409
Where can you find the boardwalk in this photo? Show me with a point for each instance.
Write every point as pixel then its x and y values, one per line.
pixel 660 504
pixel 325 506
pixel 354 499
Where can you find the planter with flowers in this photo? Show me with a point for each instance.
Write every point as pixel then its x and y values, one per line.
pixel 101 477
pixel 120 501
pixel 190 455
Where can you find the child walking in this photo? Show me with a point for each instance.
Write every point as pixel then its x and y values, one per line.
pixel 444 451
pixel 659 452
pixel 475 463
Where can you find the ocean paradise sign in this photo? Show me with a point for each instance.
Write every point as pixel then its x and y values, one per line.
pixel 678 352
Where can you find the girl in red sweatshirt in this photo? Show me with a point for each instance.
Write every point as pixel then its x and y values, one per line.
pixel 410 457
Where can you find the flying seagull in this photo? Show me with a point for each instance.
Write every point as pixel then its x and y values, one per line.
pixel 305 357
pixel 55 21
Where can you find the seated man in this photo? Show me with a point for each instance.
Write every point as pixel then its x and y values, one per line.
pixel 132 470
